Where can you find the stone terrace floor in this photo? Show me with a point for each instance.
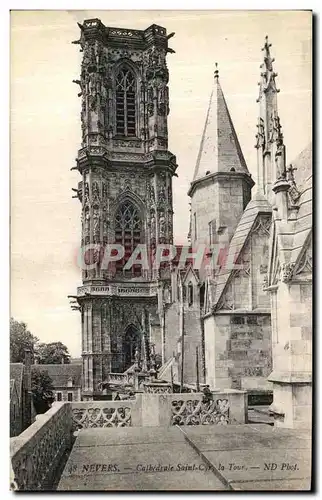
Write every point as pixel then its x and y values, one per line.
pixel 201 458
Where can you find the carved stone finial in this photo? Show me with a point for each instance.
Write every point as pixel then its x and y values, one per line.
pixel 216 72
pixel 267 73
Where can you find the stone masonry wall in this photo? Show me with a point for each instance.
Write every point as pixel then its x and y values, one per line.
pixel 223 201
pixel 238 351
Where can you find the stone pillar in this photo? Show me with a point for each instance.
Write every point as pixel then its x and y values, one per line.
pixel 292 356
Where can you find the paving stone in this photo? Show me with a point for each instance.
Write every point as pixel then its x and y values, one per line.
pixel 248 441
pixel 124 458
pixel 127 435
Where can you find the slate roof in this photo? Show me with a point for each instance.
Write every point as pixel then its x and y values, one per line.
pixel 16 375
pixel 219 148
pixel 61 373
pixel 257 205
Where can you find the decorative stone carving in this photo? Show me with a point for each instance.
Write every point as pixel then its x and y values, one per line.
pixel 265 282
pixel 152 223
pixel 280 160
pixel 260 136
pixel 86 193
pixel 293 193
pixel 157 65
pixel 87 219
pixel 38 456
pixel 262 226
pixel 126 144
pixel 287 269
pixel 96 221
pixel 267 75
pixel 151 190
pixel 102 416
pixel 195 412
pixel 170 225
pixel 154 388
pixel 105 221
pixel 162 225
pixel 95 192
pixel 104 191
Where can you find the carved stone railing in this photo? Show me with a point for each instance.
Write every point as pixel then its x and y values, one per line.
pixel 135 379
pixel 196 412
pixel 37 452
pixel 102 414
pixel 117 378
pixel 229 407
pixel 157 388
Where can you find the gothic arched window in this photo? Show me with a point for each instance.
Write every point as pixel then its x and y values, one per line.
pixel 128 232
pixel 190 294
pixel 125 103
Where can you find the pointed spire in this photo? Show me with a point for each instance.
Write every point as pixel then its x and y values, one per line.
pixel 219 148
pixel 216 72
pixel 268 75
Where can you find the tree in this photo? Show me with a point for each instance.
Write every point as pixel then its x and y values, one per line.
pixel 53 353
pixel 42 390
pixel 20 339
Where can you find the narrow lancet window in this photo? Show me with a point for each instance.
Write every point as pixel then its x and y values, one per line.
pixel 128 232
pixel 125 103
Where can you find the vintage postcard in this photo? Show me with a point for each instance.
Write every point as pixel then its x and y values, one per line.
pixel 161 250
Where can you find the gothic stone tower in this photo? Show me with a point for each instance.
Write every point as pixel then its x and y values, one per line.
pixel 125 192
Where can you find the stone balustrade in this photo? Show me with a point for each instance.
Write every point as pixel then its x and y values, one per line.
pixel 105 414
pixel 135 379
pixel 228 407
pixel 37 452
pixel 157 387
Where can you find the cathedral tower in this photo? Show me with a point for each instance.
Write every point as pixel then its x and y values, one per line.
pixel 125 192
pixel 221 186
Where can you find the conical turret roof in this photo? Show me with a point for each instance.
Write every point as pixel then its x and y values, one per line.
pixel 219 150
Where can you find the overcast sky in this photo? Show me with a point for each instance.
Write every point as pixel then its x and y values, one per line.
pixel 45 130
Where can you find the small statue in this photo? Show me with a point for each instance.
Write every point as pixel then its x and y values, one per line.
pixel 162 194
pixel 207 395
pixel 162 225
pixel 152 193
pixel 95 191
pixel 96 221
pixel 280 160
pixel 87 217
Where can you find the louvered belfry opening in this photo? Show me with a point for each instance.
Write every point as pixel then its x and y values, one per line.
pixel 128 232
pixel 125 103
